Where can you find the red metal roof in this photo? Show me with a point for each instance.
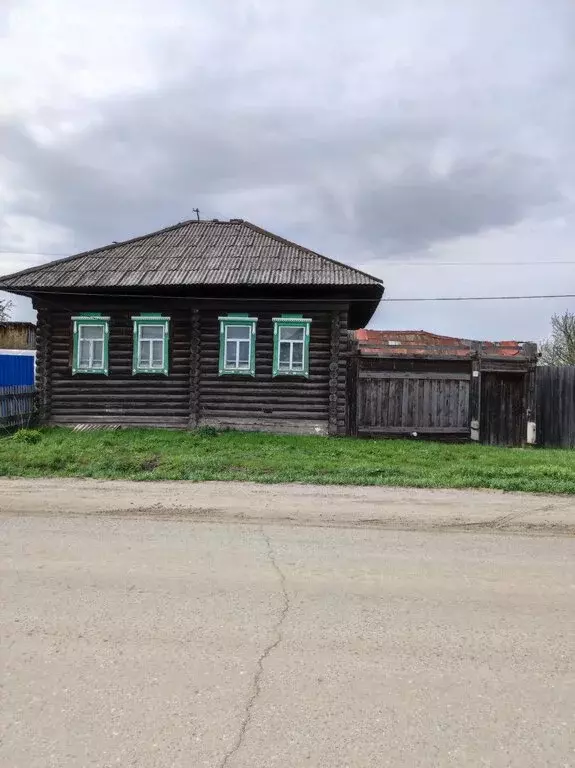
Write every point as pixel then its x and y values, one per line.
pixel 391 343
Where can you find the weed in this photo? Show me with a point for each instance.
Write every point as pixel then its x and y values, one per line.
pixel 29 436
pixel 207 432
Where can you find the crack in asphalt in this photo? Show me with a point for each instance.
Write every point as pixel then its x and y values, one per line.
pixel 258 674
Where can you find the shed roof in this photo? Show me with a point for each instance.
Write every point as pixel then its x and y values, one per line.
pixel 414 343
pixel 233 252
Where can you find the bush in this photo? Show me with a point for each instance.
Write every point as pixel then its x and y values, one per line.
pixel 207 431
pixel 29 436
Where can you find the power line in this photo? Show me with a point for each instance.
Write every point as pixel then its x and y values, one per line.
pixel 114 294
pixel 35 253
pixel 489 298
pixel 384 263
pixel 472 263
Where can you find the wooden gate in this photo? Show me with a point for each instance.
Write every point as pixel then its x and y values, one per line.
pixel 503 414
pixel 407 402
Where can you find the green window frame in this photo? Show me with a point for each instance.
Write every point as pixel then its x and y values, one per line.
pixel 151 344
pixel 91 332
pixel 235 332
pixel 291 345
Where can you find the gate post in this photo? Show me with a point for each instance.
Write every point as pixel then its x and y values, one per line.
pixel 352 386
pixel 475 391
pixel 531 393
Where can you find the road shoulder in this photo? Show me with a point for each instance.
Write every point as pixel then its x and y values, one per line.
pixel 331 506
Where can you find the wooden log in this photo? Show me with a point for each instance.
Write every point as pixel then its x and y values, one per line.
pixel 333 372
pixel 194 394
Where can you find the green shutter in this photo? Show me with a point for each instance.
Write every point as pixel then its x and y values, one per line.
pixel 154 319
pixel 228 321
pixel 90 319
pixel 291 321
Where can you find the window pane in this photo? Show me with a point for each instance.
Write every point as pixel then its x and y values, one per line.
pixel 230 354
pixel 97 354
pixel 152 332
pixel 84 361
pixel 157 354
pixel 297 353
pixel 284 353
pixel 238 332
pixel 291 334
pixel 244 354
pixel 144 361
pixel 91 331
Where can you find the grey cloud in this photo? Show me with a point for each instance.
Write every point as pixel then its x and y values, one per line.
pixel 383 128
pixel 154 158
pixel 420 207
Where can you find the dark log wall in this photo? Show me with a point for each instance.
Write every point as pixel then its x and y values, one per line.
pixel 193 394
pixel 43 363
pixel 282 403
pixel 120 397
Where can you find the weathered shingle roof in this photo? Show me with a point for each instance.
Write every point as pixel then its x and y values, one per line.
pixel 193 252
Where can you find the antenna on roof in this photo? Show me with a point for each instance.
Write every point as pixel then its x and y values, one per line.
pixel 197 212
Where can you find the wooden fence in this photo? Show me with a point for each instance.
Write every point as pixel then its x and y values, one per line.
pixel 410 402
pixel 471 391
pixel 556 406
pixel 17 406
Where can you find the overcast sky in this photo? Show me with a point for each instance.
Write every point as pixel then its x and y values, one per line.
pixel 395 135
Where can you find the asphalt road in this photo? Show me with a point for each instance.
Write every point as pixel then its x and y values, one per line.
pixel 134 637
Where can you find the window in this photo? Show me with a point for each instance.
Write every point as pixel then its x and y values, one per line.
pixel 151 344
pixel 237 345
pixel 291 345
pixel 90 355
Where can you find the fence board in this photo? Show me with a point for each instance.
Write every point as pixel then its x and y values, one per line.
pixel 17 405
pixel 556 406
pixel 16 368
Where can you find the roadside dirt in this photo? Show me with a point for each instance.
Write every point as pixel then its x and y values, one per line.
pixel 331 506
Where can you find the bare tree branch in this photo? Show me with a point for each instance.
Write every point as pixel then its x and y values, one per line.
pixel 559 348
pixel 5 309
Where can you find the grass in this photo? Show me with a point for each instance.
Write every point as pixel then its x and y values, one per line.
pixel 153 454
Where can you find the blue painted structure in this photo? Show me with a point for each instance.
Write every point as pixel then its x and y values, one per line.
pixel 16 368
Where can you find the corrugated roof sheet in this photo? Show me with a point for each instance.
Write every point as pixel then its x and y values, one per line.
pixel 193 252
pixel 403 343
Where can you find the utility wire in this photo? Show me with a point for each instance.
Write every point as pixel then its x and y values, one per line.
pixel 36 253
pixel 471 263
pixel 304 300
pixel 384 263
pixel 489 298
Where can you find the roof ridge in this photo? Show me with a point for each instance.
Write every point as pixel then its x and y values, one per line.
pixel 308 250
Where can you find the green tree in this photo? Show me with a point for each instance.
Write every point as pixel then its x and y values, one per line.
pixel 559 347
